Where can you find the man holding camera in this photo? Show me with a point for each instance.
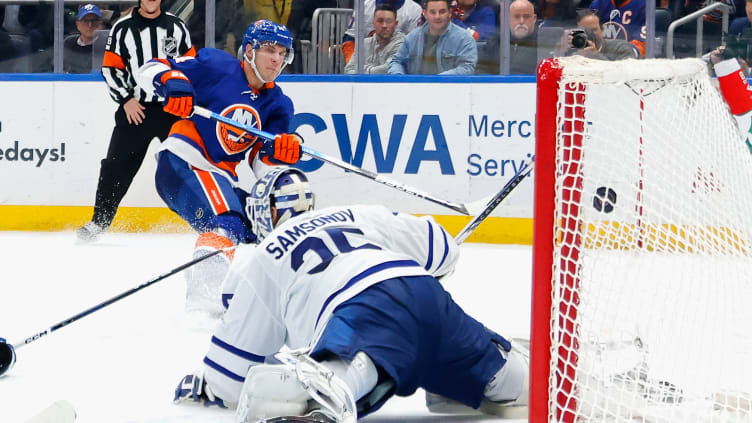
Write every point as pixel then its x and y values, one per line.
pixel 587 40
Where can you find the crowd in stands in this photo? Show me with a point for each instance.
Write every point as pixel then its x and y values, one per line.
pixel 401 36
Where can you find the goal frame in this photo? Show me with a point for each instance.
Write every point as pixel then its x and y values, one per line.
pixel 549 76
pixel 593 356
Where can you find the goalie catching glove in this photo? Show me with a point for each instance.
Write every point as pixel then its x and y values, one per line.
pixel 284 149
pixel 177 91
pixel 193 387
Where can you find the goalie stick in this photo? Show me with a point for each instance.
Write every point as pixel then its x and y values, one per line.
pixel 521 174
pixel 459 208
pixel 7 350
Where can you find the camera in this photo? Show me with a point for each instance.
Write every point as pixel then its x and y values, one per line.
pixel 580 37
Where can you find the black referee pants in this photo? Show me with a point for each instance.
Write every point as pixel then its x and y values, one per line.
pixel 125 155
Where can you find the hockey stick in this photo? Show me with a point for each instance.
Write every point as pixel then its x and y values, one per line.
pixel 459 208
pixel 7 351
pixel 523 172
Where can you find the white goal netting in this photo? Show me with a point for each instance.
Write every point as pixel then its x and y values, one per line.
pixel 651 317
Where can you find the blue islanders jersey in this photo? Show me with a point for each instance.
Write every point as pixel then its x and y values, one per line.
pixel 221 86
pixel 625 21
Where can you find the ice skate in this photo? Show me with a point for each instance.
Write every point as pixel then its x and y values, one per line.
pixel 90 232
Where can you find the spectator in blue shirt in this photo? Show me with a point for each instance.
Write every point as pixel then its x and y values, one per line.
pixel 437 47
pixel 478 19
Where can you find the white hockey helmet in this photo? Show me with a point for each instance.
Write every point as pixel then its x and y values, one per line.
pixel 285 188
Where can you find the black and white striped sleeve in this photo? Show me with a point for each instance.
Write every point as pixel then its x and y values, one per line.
pixel 115 71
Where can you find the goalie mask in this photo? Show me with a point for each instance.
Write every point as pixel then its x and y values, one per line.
pixel 285 188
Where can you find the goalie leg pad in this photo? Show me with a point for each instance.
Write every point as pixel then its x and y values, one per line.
pixel 507 394
pixel 297 386
pixel 271 390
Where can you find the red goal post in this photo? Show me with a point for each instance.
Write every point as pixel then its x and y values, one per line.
pixel 642 246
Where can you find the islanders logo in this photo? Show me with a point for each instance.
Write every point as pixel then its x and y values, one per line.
pixel 615 31
pixel 234 140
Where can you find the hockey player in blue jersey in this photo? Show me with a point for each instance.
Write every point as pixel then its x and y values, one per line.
pixel 197 166
pixel 353 291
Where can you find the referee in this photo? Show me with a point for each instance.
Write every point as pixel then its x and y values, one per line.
pixel 145 34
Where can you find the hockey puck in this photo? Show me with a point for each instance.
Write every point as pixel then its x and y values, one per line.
pixel 604 199
pixel 7 356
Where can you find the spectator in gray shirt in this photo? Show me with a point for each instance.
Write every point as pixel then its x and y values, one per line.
pixel 382 45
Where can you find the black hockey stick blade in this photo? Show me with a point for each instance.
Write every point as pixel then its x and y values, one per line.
pixel 524 171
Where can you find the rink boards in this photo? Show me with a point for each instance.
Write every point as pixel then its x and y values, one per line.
pixel 457 138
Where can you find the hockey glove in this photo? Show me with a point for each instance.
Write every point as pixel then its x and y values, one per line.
pixel 177 91
pixel 285 149
pixel 193 387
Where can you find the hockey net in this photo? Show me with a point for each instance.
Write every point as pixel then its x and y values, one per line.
pixel 642 295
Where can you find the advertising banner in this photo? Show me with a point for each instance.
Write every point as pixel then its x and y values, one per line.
pixel 457 141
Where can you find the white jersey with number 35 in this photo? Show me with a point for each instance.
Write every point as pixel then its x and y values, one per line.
pixel 285 290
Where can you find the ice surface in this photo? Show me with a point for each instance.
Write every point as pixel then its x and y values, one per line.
pixel 122 363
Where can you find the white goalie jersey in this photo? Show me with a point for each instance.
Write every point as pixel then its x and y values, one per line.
pixel 285 289
pixel 738 94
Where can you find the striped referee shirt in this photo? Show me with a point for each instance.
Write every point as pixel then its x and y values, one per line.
pixel 133 41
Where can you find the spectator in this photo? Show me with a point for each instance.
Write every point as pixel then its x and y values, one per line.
pixel 77 51
pixel 438 47
pixel 382 45
pixel 479 20
pixel 738 25
pixel 144 34
pixel 623 20
pixel 523 47
pixel 524 38
pixel 596 46
pixel 556 13
pixel 408 15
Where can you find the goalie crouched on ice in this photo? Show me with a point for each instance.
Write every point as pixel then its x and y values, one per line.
pixel 353 292
pixel 197 166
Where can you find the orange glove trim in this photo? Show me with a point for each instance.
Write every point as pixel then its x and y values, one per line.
pixel 173 74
